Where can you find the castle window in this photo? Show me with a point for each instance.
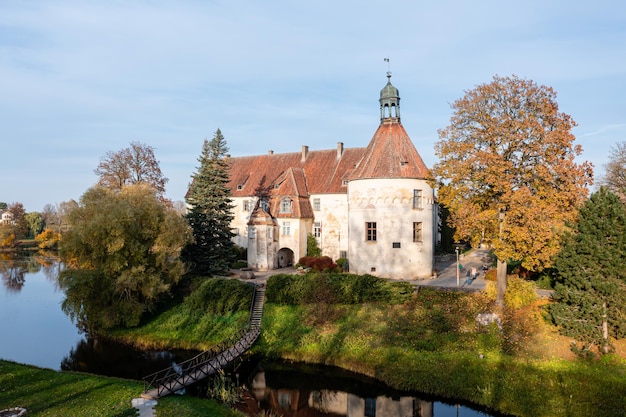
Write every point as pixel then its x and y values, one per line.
pixel 370 231
pixel 264 205
pixel 247 205
pixel 285 205
pixel 395 245
pixel 286 229
pixel 417 231
pixel 316 204
pixel 343 254
pixel 417 199
pixel 317 229
pixel 252 233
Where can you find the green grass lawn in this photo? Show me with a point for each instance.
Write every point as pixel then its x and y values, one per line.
pixel 45 392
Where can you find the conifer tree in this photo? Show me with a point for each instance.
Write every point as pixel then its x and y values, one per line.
pixel 590 293
pixel 210 210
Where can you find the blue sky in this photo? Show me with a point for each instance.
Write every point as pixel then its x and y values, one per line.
pixel 80 78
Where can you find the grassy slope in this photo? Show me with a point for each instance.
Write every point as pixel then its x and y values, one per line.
pixel 381 342
pixel 45 392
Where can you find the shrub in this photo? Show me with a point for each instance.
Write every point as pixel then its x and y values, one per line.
pixel 239 264
pixel 240 253
pixel 519 292
pixel 343 264
pixel 8 240
pixel 312 248
pixel 491 275
pixel 221 296
pixel 341 288
pixel 318 263
pixel 48 239
pixel 545 282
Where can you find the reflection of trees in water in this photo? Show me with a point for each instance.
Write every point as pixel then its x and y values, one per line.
pixel 15 265
pixel 13 269
pixel 13 278
pixel 51 266
pixel 104 357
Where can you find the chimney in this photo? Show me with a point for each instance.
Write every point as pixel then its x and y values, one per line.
pixel 305 152
pixel 270 152
pixel 339 150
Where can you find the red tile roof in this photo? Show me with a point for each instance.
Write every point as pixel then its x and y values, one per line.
pixel 390 154
pixel 321 172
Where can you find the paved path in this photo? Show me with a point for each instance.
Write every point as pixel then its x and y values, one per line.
pixel 447 276
pixel 446 267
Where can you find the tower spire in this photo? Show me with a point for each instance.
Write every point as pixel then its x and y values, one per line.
pixel 389 99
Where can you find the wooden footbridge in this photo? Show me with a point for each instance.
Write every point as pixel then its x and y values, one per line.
pixel 179 376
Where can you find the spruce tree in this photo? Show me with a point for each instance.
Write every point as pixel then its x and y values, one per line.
pixel 590 293
pixel 210 212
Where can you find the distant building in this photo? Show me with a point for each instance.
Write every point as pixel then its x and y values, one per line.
pixel 6 217
pixel 371 205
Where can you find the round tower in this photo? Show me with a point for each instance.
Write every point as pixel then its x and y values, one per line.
pixel 391 208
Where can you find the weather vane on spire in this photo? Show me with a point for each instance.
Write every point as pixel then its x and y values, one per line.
pixel 388 68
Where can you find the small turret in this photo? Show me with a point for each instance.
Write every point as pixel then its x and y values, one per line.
pixel 389 101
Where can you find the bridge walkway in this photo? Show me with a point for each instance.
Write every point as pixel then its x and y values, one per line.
pixel 179 376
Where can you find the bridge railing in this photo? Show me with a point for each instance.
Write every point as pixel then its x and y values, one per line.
pixel 205 362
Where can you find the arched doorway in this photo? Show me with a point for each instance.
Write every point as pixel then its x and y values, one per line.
pixel 285 257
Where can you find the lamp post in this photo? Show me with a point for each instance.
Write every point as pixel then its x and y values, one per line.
pixel 458 277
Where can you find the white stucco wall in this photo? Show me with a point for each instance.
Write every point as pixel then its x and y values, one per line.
pixel 389 203
pixel 239 225
pixel 333 216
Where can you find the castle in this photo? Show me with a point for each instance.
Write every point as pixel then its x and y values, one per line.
pixel 370 205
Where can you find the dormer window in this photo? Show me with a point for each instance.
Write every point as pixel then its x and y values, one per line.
pixel 285 205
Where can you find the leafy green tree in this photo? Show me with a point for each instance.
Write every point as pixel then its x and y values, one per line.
pixel 3 205
pixel 590 292
pixel 507 172
pixel 122 253
pixel 35 223
pixel 210 210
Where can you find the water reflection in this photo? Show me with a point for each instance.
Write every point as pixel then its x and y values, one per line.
pixel 31 318
pixel 15 265
pixel 109 358
pixel 293 390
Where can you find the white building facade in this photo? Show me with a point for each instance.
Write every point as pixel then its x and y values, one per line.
pixel 370 205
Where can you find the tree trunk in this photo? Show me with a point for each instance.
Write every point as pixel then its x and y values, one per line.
pixel 501 267
pixel 605 330
pixel 501 282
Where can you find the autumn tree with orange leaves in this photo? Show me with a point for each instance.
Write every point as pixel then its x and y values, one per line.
pixel 507 172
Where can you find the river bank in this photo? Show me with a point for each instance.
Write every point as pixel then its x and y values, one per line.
pixel 429 344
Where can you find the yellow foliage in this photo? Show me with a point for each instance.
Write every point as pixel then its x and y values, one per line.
pixel 8 241
pixel 519 292
pixel 508 171
pixel 48 239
